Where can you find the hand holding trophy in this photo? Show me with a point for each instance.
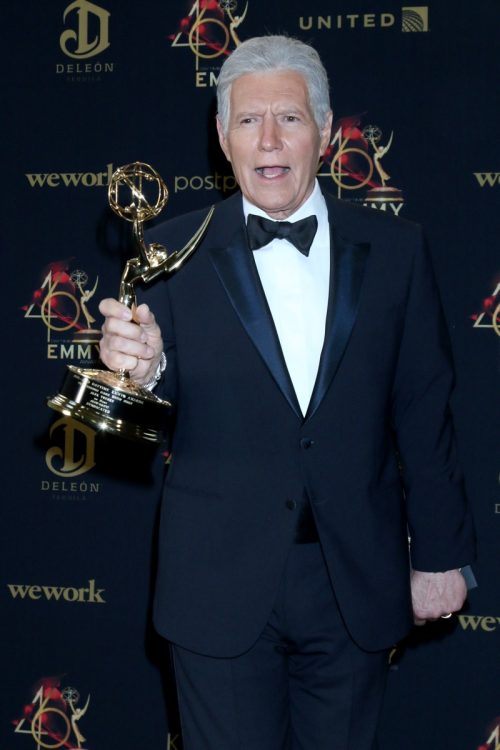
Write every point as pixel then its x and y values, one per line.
pixel 111 401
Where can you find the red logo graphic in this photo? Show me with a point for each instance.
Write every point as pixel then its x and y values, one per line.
pixel 52 717
pixel 353 160
pixel 490 315
pixel 209 30
pixel 61 303
pixel 493 741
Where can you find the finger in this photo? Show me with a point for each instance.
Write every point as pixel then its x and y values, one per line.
pixel 110 307
pixel 118 361
pixel 134 347
pixel 114 327
pixel 143 315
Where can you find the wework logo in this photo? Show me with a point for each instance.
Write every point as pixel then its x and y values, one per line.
pixel 487 179
pixel 70 179
pixel 87 595
pixel 488 624
pixel 82 41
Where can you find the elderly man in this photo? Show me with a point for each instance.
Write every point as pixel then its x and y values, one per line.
pixel 308 362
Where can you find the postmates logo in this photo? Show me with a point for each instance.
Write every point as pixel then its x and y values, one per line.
pixel 54 717
pixel 62 307
pixel 357 162
pixel 223 183
pixel 85 36
pixel 210 31
pixel 489 316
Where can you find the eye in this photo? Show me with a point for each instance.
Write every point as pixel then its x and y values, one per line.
pixel 291 118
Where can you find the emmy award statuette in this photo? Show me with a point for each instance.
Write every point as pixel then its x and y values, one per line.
pixel 111 401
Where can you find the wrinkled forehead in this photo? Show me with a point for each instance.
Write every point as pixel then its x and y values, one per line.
pixel 273 88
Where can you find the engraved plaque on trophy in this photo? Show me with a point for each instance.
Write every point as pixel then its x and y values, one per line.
pixel 111 401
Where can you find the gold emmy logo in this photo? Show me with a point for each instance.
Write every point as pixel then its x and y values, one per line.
pixel 88 15
pixel 353 161
pixel 490 315
pixel 415 18
pixel 76 455
pixel 62 304
pixel 209 30
pixel 52 718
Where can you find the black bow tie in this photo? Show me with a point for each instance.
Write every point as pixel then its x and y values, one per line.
pixel 301 233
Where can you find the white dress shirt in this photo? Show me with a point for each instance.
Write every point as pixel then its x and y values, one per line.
pixel 296 288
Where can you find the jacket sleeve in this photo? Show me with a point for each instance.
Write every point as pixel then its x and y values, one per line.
pixel 439 521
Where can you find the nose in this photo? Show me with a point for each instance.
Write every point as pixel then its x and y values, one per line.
pixel 270 138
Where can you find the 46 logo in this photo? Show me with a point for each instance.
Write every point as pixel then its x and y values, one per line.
pixel 58 304
pixel 209 29
pixel 353 160
pixel 61 304
pixel 51 719
pixel 490 315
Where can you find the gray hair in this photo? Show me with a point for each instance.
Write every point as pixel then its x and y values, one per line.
pixel 263 54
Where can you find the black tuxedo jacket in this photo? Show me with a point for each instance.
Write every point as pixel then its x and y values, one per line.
pixel 375 452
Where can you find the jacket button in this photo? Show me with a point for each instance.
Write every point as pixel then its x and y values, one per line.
pixel 291 504
pixel 306 443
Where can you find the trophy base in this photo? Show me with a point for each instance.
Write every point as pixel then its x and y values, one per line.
pixel 384 195
pixel 112 403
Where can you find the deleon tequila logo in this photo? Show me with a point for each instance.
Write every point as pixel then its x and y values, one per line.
pixel 210 32
pixel 52 718
pixel 63 305
pixel 86 37
pixel 489 317
pixel 355 161
pixel 75 454
pixel 71 455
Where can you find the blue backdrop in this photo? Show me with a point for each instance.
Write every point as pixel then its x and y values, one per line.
pixel 88 87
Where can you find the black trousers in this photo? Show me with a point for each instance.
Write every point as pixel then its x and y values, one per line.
pixel 304 684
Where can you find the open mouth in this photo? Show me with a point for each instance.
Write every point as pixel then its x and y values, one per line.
pixel 272 172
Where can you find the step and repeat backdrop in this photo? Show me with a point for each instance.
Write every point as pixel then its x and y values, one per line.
pixel 87 87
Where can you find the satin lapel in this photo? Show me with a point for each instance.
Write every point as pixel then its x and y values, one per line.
pixel 238 273
pixel 348 260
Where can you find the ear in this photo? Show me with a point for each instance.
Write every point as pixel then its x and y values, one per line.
pixel 326 133
pixel 222 139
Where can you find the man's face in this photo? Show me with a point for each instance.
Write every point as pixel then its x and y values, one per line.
pixel 272 140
